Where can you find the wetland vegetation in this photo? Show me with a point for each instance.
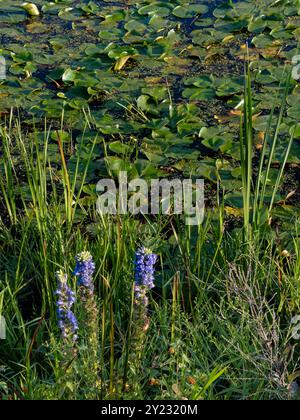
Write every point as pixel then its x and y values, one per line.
pixel 146 307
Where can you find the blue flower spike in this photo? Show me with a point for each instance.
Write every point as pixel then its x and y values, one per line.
pixel 67 321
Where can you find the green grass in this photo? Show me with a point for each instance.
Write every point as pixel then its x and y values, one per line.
pixel 219 317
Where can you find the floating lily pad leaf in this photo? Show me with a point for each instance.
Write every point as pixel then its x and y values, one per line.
pixel 264 41
pixel 21 55
pixel 297 131
pixel 52 8
pixel 63 136
pixel 120 148
pixel 187 128
pixel 89 137
pixel 111 19
pixel 261 123
pixel 116 164
pixel 107 124
pixel 154 51
pixel 203 37
pixel 163 132
pixel 158 22
pixel 228 86
pixel 265 77
pixel 111 35
pixel 69 76
pixel 117 52
pixel 154 157
pixel 31 9
pixel 133 38
pixel 157 93
pixel 70 14
pixel 12 14
pixel 203 90
pixel 209 132
pixel 234 25
pixel 266 100
pixel 26 68
pixel 135 26
pixel 52 107
pixel 218 143
pixel 77 92
pixel 215 52
pixel 177 152
pixel 189 10
pixel 243 9
pixel 204 23
pixel 54 75
pixel 78 104
pixel 172 38
pixel 94 50
pixel 130 87
pixel 121 62
pixel 294 112
pixel 198 94
pixel 228 181
pixel 201 82
pixel 148 170
pixel 281 33
pixel 90 8
pixel 205 168
pixel 158 9
pixel 257 24
pixel 147 104
pixel 223 10
pixel 84 151
pixel 294 99
pixel 157 124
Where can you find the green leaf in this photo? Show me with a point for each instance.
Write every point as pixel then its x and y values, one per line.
pixel 119 148
pixel 69 76
pixel 189 11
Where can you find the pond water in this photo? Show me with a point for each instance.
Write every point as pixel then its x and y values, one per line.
pixel 160 82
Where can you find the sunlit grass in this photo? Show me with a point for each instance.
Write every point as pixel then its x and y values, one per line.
pixel 219 316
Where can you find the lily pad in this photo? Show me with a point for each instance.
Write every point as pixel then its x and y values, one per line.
pixel 189 10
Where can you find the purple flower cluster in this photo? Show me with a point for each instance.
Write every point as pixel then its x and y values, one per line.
pixel 67 321
pixel 145 261
pixel 84 269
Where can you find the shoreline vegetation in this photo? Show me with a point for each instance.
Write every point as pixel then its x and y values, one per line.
pixel 145 306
